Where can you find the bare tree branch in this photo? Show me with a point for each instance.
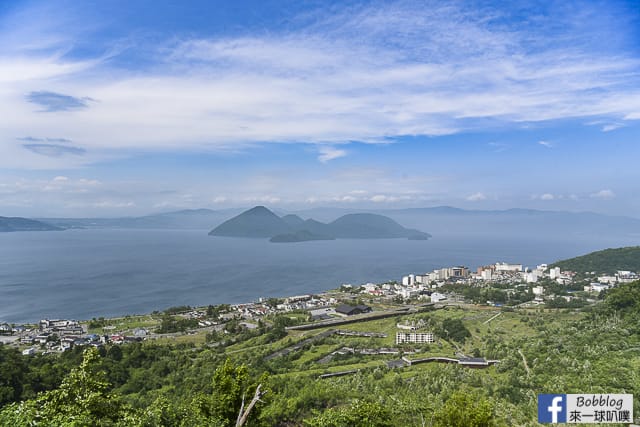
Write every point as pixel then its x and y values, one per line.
pixel 243 416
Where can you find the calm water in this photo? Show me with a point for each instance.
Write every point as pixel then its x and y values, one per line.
pixel 88 273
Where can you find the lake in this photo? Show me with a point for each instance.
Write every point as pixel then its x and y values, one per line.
pixel 88 273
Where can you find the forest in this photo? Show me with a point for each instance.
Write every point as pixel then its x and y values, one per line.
pixel 607 261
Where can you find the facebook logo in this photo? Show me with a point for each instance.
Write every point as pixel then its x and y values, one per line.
pixel 552 408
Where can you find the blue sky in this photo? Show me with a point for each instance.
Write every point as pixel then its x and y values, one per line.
pixel 127 108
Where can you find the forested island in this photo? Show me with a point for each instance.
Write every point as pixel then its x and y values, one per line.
pixel 260 222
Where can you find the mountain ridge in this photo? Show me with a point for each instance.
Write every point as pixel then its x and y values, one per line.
pixel 261 222
pixel 14 224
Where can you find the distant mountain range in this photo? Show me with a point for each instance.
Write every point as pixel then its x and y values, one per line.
pixel 195 219
pixel 261 222
pixel 8 224
pixel 440 220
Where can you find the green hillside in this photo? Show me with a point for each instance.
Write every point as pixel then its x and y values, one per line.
pixel 202 379
pixel 607 261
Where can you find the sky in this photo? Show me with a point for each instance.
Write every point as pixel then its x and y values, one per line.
pixel 124 108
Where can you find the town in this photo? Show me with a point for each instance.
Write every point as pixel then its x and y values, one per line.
pixel 496 285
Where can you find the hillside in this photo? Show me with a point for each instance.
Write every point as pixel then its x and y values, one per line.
pixel 9 224
pixel 323 378
pixel 261 222
pixel 366 226
pixel 256 222
pixel 298 236
pixel 607 261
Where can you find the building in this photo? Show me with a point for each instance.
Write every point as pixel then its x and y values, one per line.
pixel 349 310
pixel 458 272
pixel 409 280
pixel 415 337
pixel 554 273
pixel 504 267
pixel 437 297
pixel 473 362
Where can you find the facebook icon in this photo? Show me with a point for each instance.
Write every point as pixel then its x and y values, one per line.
pixel 552 408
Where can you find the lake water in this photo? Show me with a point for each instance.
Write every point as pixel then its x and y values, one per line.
pixel 88 273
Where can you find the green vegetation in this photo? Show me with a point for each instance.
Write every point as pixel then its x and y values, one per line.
pixel 171 324
pixel 167 383
pixel 607 261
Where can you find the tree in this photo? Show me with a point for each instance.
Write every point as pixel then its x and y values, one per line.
pixel 464 409
pixel 231 386
pixel 83 399
pixel 358 414
pixel 454 329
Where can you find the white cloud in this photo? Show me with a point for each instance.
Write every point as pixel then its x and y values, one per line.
pixel 328 153
pixel 499 147
pixel 603 194
pixel 546 144
pixel 110 204
pixel 361 74
pixel 547 196
pixel 611 126
pixel 476 197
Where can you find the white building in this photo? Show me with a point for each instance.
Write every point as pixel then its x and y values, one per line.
pixel 554 273
pixel 538 290
pixel 486 274
pixel 437 297
pixel 503 266
pixel 596 287
pixel 409 280
pixel 415 337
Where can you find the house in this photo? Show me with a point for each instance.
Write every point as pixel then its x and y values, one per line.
pixel 349 310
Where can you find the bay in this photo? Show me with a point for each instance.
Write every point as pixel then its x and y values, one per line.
pixel 86 273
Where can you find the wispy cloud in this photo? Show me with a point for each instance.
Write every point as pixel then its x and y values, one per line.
pixel 34 139
pixel 54 150
pixel 328 153
pixel 612 126
pixel 546 144
pixel 365 73
pixel 476 197
pixel 498 147
pixel 53 102
pixel 603 194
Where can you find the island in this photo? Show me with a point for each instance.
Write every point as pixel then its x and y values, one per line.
pixel 299 236
pixel 260 222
